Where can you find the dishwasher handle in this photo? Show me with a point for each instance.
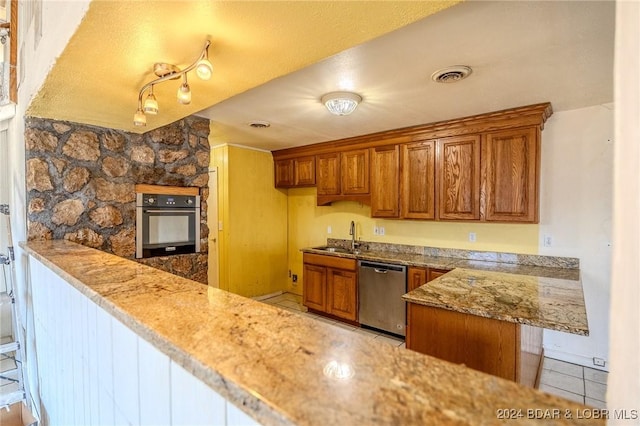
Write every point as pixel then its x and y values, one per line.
pixel 382 268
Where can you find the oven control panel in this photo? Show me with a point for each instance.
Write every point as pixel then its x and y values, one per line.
pixel 162 200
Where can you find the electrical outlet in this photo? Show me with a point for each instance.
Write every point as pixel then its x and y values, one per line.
pixel 598 362
pixel 472 237
pixel 547 240
pixel 381 230
pixel 294 278
pixel 329 229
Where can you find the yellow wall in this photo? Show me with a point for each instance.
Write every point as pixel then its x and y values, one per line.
pixel 253 240
pixel 308 227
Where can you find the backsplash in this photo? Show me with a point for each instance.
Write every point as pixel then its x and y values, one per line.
pixel 81 183
pixel 487 256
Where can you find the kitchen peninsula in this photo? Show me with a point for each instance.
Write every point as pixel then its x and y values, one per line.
pixel 276 366
pixel 488 312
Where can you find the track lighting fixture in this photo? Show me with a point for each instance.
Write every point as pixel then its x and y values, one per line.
pixel 166 72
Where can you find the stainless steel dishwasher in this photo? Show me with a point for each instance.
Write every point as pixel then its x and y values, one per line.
pixel 380 290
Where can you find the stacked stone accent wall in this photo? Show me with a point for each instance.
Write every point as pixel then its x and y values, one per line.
pixel 81 183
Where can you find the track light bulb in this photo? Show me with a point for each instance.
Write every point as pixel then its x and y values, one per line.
pixel 151 104
pixel 184 92
pixel 204 70
pixel 139 119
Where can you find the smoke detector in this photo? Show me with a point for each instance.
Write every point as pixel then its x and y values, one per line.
pixel 451 74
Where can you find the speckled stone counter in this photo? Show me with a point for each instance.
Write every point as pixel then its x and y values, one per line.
pixel 280 367
pixel 552 303
pixel 503 286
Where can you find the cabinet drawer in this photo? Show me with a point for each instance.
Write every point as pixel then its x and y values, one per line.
pixel 330 261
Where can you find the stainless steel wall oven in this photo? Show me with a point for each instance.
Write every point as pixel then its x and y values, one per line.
pixel 167 224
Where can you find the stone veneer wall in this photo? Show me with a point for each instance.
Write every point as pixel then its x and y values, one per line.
pixel 81 183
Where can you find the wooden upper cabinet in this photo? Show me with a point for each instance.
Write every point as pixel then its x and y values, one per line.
pixel 328 174
pixel 459 177
pixel 385 181
pixel 304 171
pixel 283 170
pixel 295 172
pixel 510 175
pixel 355 172
pixel 418 189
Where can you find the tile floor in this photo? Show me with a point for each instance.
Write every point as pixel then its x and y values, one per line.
pixel 574 382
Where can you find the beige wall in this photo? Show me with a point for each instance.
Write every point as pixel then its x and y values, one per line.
pixel 575 210
pixel 253 240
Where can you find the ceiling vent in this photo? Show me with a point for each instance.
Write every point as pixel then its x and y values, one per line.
pixel 451 74
pixel 260 124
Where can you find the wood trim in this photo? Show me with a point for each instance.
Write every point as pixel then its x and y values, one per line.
pixel 171 190
pixel 329 261
pixel 323 200
pixel 13 54
pixel 532 115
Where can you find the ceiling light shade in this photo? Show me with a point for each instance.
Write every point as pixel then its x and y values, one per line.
pixel 184 92
pixel 151 104
pixel 341 103
pixel 204 69
pixel 139 119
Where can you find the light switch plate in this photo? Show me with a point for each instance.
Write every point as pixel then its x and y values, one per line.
pixel 472 237
pixel 329 229
pixel 381 230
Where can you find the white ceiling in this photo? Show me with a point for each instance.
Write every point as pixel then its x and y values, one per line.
pixel 521 53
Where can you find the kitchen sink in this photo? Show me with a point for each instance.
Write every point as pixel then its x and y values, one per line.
pixel 334 249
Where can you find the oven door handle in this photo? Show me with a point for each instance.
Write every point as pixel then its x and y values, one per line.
pixel 186 211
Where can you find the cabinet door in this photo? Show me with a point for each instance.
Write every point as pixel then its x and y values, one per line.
pixel 385 174
pixel 459 177
pixel 314 289
pixel 510 169
pixel 435 273
pixel 304 171
pixel 416 277
pixel 328 174
pixel 283 170
pixel 355 172
pixel 341 294
pixel 419 180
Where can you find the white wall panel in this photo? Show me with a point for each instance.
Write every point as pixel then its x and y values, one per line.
pixel 125 371
pixel 192 402
pixel 155 384
pixel 235 417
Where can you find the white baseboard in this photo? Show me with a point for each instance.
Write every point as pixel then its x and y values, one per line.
pixel 573 359
pixel 268 296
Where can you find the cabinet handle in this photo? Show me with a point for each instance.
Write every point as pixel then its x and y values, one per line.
pixel 380 271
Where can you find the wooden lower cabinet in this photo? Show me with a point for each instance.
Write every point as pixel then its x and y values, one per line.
pixel 330 286
pixel 504 349
pixel 314 293
pixel 417 276
pixel 341 294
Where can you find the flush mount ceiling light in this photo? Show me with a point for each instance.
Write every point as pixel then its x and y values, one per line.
pixel 166 72
pixel 451 74
pixel 341 103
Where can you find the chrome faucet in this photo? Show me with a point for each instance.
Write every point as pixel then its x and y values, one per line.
pixel 352 232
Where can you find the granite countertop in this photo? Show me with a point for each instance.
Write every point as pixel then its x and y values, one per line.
pixel 276 365
pixel 541 296
pixel 551 303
